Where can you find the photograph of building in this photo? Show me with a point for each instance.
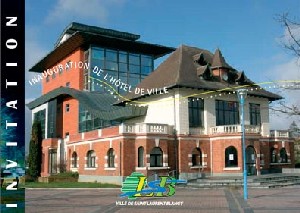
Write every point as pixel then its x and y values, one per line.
pixel 106 112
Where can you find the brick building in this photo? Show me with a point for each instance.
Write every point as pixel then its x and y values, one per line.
pixel 105 112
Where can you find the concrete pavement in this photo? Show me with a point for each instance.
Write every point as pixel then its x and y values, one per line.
pixel 185 200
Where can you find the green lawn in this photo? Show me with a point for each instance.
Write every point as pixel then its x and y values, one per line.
pixel 68 185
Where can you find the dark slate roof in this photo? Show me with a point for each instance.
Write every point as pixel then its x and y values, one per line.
pixel 219 60
pixel 181 70
pixel 75 27
pixel 86 35
pixel 98 104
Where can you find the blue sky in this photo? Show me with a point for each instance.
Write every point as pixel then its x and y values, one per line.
pixel 245 31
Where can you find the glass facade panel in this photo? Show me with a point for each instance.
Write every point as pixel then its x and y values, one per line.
pixel 133 81
pixel 98 53
pixel 111 55
pixel 146 60
pixel 134 69
pixel 111 65
pixel 123 67
pixel 89 122
pixel 122 62
pixel 123 57
pixel 146 70
pixel 134 59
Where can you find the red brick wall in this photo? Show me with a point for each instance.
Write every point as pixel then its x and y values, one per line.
pixel 74 75
pixel 71 118
pixel 127 161
pixel 46 144
pixel 185 149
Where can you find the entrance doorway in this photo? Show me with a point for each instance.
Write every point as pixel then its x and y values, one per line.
pixel 251 160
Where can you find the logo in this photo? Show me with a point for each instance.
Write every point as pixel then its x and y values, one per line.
pixel 136 185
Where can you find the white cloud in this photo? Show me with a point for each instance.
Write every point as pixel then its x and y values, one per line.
pixel 94 9
pixel 33 53
pixel 289 71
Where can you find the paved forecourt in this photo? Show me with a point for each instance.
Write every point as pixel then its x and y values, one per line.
pixel 185 200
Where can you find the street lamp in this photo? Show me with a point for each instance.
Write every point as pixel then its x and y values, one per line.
pixel 242 94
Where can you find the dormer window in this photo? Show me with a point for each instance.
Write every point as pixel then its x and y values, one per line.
pixel 225 76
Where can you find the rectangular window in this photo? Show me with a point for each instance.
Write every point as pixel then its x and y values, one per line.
pixel 254 110
pixel 68 84
pixel 52 167
pixel 67 107
pixel 60 70
pixel 47 78
pixel 227 113
pixel 68 65
pixel 196 112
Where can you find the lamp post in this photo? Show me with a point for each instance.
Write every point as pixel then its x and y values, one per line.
pixel 242 94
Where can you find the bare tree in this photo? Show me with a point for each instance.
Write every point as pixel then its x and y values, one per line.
pixel 291 37
pixel 290 42
pixel 289 109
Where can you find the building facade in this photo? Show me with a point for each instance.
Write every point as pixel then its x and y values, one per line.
pixel 106 113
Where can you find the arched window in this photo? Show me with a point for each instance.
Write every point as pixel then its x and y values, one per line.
pixel 111 158
pixel 196 157
pixel 141 156
pixel 273 155
pixel 283 156
pixel 91 159
pixel 231 157
pixel 74 160
pixel 156 157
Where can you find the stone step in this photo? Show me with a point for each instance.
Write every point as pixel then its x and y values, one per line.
pixel 270 181
pixel 276 185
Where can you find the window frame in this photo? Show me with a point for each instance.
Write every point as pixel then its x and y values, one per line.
pixel 111 158
pixel 225 115
pixel 91 159
pixel 197 157
pixel 157 157
pixel 255 114
pixel 283 155
pixel 196 112
pixel 141 151
pixel 229 151
pixel 74 160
